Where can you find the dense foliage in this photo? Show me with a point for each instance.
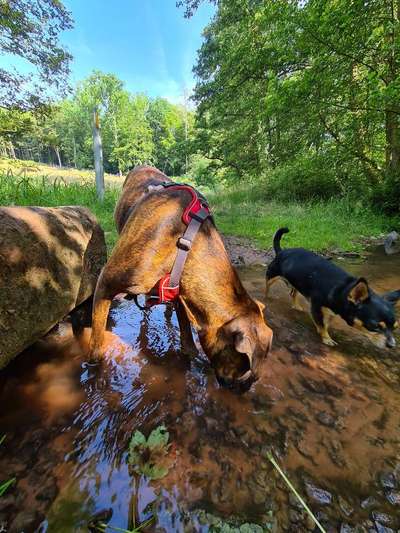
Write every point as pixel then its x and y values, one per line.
pixel 135 129
pixel 303 96
pixel 30 29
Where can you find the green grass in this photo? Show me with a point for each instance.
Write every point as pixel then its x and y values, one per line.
pixel 334 225
pixel 294 491
pixel 338 224
pixel 5 485
pixel 40 192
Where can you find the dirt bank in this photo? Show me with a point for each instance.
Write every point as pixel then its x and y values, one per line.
pixel 243 252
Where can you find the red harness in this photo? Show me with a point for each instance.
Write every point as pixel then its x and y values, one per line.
pixel 196 212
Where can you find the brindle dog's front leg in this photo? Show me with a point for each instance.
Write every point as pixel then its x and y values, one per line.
pixel 101 307
pixel 188 345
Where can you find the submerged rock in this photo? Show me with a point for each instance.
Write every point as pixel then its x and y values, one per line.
pixel 392 243
pixel 383 529
pixel 326 419
pixel 388 480
pixel 24 521
pixel 320 496
pixel 393 497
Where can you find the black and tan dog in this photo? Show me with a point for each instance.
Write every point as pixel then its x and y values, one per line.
pixel 230 324
pixel 331 290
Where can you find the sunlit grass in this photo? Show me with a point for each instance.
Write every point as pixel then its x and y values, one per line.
pixel 342 225
pixel 338 224
pixel 32 169
pixel 40 192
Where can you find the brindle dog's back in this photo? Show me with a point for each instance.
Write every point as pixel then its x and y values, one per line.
pixel 135 186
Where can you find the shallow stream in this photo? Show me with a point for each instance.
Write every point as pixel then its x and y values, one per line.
pixel 331 417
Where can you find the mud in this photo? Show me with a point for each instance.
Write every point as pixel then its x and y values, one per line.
pixel 243 253
pixel 330 417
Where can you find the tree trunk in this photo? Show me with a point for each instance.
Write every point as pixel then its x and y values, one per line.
pixel 98 156
pixel 57 151
pixel 392 142
pixel 74 147
pixel 12 151
pixel 116 142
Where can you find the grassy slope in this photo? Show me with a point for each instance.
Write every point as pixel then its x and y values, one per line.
pixel 39 192
pixel 19 168
pixel 321 226
pixel 338 224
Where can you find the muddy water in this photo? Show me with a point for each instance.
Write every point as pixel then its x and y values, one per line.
pixel 330 416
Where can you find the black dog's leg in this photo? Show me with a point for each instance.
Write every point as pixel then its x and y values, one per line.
pixel 321 317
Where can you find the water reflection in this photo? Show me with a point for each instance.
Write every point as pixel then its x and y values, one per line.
pixel 330 415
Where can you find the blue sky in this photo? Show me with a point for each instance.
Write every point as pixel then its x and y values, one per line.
pixel 148 44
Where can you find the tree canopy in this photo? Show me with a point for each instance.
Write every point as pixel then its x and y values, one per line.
pixel 135 129
pixel 30 29
pixel 304 95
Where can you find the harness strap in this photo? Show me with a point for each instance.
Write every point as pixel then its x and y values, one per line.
pixel 195 213
pixel 184 245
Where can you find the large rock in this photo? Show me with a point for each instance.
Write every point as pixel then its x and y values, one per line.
pixel 50 259
pixel 392 243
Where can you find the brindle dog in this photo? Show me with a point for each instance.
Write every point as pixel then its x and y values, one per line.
pixel 230 324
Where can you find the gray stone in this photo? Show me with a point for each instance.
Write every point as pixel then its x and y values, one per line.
pixel 391 244
pixel 388 480
pixel 383 529
pixel 345 507
pixel 326 419
pixel 393 497
pixel 50 259
pixel 320 496
pixel 369 502
pixel 383 518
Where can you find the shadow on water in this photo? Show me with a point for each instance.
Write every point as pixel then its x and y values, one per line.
pixel 331 417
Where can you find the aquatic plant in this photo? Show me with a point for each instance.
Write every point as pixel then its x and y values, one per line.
pixel 291 487
pixel 6 484
pixel 104 527
pixel 150 456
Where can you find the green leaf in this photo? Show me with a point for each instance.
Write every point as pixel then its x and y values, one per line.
pixel 4 486
pixel 158 438
pixel 155 471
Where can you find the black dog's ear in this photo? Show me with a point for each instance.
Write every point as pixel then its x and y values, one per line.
pixel 359 292
pixel 392 297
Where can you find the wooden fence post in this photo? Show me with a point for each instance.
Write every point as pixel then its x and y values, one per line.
pixel 98 156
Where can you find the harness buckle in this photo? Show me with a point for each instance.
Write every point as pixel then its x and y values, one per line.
pixel 184 244
pixel 201 214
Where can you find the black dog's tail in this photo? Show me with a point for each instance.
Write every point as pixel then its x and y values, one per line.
pixel 277 239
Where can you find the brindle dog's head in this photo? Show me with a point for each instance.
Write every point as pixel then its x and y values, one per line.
pixel 239 348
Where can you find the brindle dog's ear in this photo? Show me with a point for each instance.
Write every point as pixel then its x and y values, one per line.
pixel 237 330
pixel 359 292
pixel 392 297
